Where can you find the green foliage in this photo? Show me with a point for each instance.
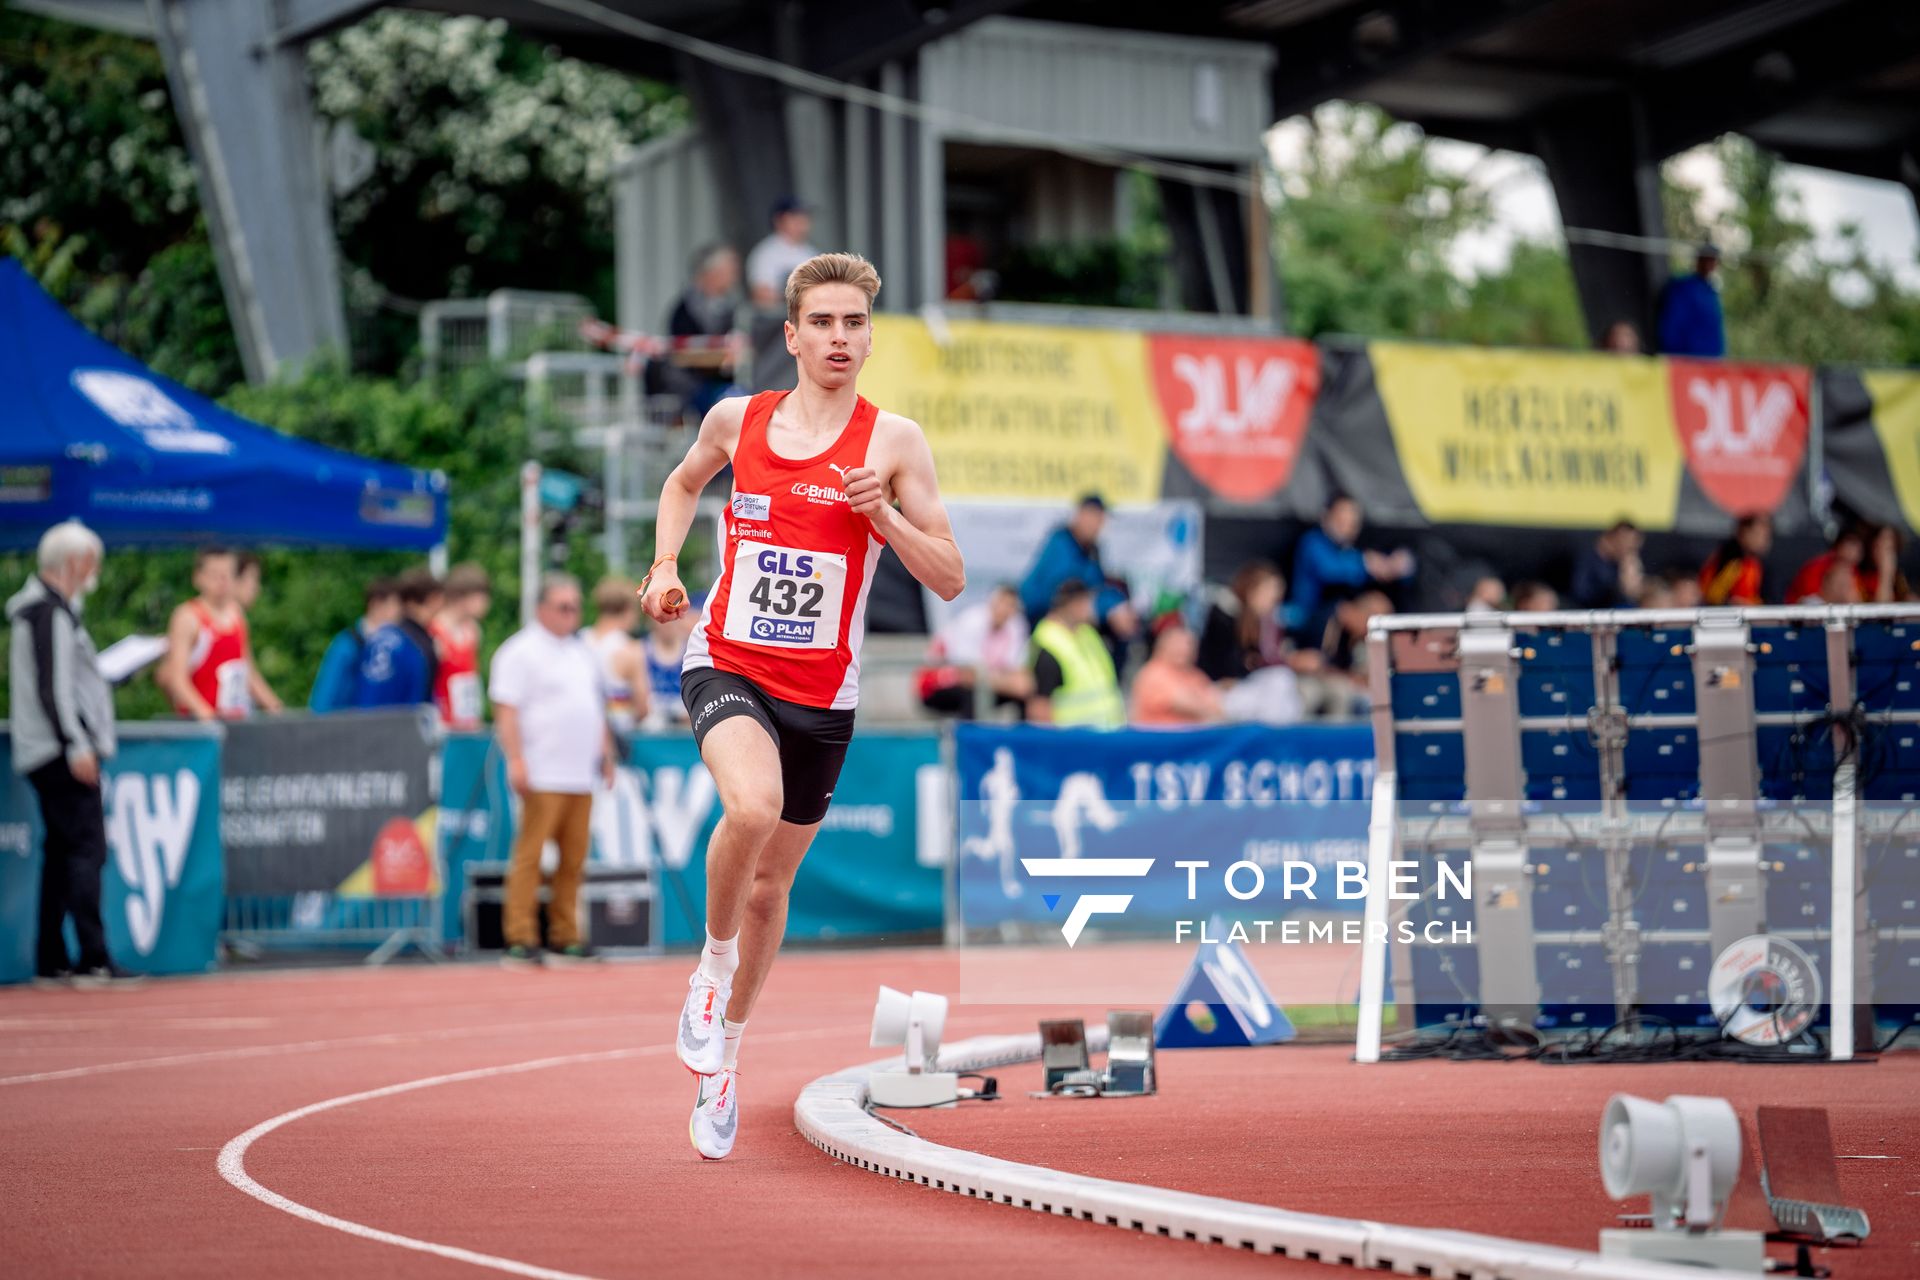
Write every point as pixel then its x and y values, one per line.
pixel 1364 225
pixel 88 142
pixel 472 427
pixel 493 159
pixel 1087 273
pixel 1783 301
pixel 118 238
pixel 1530 303
pixel 493 164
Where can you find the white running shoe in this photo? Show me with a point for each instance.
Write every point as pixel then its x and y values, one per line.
pixel 716 1114
pixel 702 1042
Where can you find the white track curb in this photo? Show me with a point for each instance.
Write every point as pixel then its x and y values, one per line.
pixel 831 1113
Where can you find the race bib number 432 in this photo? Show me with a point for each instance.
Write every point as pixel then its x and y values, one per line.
pixel 785 598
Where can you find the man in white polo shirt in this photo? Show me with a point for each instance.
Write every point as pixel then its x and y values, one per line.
pixel 550 717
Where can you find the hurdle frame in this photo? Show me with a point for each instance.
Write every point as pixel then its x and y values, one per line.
pixel 1843 829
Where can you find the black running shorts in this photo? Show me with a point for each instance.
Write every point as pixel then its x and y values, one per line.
pixel 812 741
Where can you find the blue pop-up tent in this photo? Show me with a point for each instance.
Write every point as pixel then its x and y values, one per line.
pixel 87 431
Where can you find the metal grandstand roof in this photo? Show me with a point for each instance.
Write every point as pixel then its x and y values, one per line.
pixel 1828 82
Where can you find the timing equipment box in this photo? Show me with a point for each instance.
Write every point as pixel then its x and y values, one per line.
pixel 619 908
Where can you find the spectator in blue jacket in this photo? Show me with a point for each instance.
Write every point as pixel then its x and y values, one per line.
pixel 400 661
pixel 1691 323
pixel 1608 575
pixel 1328 567
pixel 1073 552
pixel 337 687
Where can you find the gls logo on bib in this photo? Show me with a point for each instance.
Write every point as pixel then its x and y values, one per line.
pixel 787 597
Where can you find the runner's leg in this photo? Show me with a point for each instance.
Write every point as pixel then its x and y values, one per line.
pixel 745 766
pixel 765 922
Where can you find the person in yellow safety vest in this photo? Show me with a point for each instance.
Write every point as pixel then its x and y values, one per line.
pixel 1074 680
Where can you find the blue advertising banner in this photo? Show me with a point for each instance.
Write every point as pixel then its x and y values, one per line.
pixel 876 868
pixel 1291 801
pixel 161 893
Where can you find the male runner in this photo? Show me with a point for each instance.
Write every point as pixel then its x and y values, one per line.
pixel 208 670
pixel 772 670
pixel 455 631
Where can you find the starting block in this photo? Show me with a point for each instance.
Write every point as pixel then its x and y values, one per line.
pixel 1070 1074
pixel 1797 1174
pixel 1221 1003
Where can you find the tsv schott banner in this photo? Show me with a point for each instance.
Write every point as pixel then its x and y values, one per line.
pixel 1057 826
pixel 160 892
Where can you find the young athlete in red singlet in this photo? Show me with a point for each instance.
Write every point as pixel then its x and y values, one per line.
pixel 772 670
pixel 456 641
pixel 208 670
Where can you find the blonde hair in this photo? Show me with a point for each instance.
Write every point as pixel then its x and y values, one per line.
pixel 831 268
pixel 615 596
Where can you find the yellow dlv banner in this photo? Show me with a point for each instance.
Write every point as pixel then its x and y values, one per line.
pixel 1024 411
pixel 1531 438
pixel 1896 420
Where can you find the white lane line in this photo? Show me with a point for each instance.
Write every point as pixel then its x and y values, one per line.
pixel 233 1156
pixel 304 1046
pixel 233 1163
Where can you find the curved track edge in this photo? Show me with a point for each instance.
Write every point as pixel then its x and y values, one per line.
pixel 832 1114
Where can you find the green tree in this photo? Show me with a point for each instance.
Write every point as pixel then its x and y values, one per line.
pixel 1363 227
pixel 118 237
pixel 493 160
pixel 1783 299
pixel 1530 302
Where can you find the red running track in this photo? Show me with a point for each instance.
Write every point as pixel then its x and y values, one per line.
pixel 114 1108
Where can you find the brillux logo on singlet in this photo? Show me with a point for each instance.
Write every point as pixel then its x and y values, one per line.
pixel 823 495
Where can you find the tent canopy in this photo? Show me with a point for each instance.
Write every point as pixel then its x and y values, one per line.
pixel 87 431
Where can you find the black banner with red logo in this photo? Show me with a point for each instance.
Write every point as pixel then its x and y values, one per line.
pixel 328 803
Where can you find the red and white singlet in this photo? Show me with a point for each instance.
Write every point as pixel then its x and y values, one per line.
pixel 456 680
pixel 217 664
pixel 790 609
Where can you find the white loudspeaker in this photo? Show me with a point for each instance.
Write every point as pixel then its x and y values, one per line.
pixel 890 1018
pixel 1684 1153
pixel 1639 1149
pixel 929 1012
pixel 916 1022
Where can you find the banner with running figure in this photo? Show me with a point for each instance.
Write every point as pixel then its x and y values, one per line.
pixel 160 896
pixel 1293 802
pixel 876 869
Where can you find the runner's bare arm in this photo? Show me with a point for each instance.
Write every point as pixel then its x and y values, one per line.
pixel 680 496
pixel 918 531
pixel 630 665
pixel 182 629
